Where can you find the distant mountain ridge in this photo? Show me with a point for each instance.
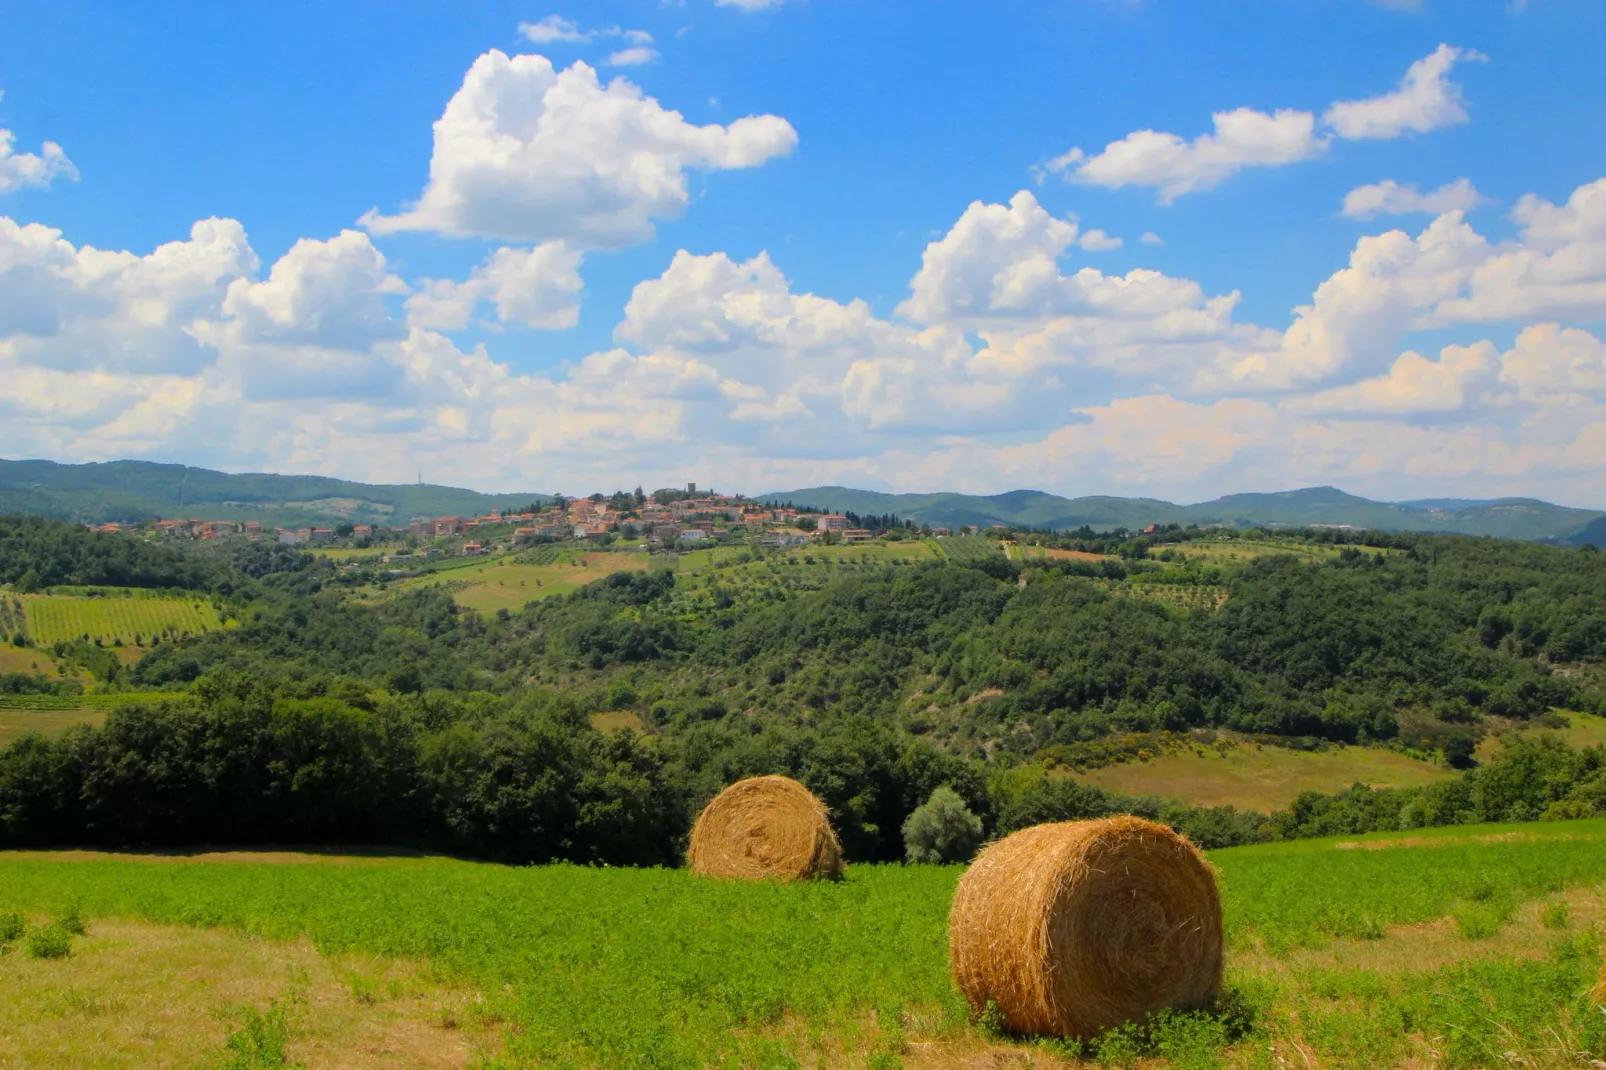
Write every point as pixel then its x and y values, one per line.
pixel 142 490
pixel 1508 518
pixel 134 491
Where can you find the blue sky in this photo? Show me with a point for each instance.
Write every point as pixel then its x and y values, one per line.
pixel 483 328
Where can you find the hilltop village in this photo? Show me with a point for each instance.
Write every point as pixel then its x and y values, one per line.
pixel 667 519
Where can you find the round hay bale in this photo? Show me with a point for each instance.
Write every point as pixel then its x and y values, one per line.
pixel 765 827
pixel 1071 928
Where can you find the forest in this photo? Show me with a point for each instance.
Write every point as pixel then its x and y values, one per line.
pixel 332 716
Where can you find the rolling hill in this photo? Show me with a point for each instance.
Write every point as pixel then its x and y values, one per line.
pixel 1510 518
pixel 142 490
pixel 130 491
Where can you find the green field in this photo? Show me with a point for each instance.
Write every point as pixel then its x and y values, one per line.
pixel 51 715
pixel 354 553
pixel 1465 947
pixel 16 723
pixel 1265 778
pixel 504 583
pixel 132 617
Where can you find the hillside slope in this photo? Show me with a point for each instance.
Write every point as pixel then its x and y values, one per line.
pixel 1509 518
pixel 141 490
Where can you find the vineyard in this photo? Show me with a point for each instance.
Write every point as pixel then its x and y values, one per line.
pixel 968 549
pixel 104 701
pixel 132 620
pixel 13 619
pixel 1177 595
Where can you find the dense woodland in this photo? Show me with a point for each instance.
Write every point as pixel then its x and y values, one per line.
pixel 407 720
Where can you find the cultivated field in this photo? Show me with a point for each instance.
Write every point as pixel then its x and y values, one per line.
pixel 503 583
pixel 365 553
pixel 134 618
pixel 1464 947
pixel 1230 551
pixel 51 715
pixel 1050 553
pixel 1256 777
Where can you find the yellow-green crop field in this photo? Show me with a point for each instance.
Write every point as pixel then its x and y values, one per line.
pixel 135 619
pixel 1256 777
pixel 1465 947
pixel 504 584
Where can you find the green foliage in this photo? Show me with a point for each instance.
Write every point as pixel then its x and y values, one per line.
pixel 1530 778
pixel 36 553
pixel 260 1041
pixel 11 927
pixel 49 942
pixel 942 829
pixel 1554 916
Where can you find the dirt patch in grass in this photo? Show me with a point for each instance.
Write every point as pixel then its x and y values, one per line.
pixel 133 994
pixel 1443 841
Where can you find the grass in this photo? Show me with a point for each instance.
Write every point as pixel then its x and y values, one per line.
pixel 1257 777
pixel 1583 730
pixel 25 659
pixel 1448 947
pixel 130 618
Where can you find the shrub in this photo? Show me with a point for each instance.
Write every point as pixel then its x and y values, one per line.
pixel 942 830
pixel 11 928
pixel 51 942
pixel 259 1042
pixel 73 922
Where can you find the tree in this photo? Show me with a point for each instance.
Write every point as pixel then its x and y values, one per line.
pixel 942 830
pixel 1459 747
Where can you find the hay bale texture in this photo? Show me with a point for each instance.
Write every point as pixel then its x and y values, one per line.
pixel 1072 928
pixel 765 828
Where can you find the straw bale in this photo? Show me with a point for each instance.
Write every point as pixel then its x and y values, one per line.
pixel 766 827
pixel 1075 927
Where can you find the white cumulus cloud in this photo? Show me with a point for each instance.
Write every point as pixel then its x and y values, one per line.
pixel 1175 166
pixel 1244 137
pixel 1391 198
pixel 552 29
pixel 634 56
pixel 537 287
pixel 1426 100
pixel 528 153
pixel 22 169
